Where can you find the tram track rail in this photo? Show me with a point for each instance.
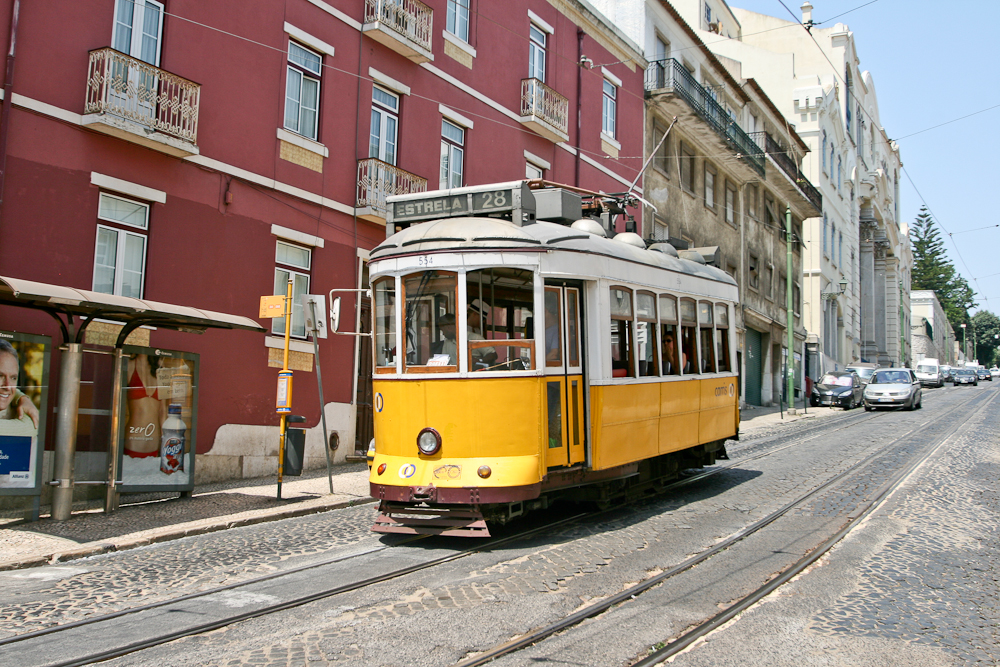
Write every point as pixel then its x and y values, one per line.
pixel 848 421
pixel 673 646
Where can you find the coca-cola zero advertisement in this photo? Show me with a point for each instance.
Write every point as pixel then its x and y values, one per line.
pixel 158 422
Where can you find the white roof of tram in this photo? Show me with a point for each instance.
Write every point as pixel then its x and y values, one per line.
pixel 493 234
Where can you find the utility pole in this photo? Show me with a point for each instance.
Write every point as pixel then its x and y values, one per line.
pixel 790 310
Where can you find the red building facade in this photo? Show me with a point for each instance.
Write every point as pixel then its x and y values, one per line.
pixel 200 153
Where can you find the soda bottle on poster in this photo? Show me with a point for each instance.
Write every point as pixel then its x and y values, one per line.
pixel 172 441
pixel 180 391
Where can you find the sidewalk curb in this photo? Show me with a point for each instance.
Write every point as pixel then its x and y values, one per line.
pixel 167 534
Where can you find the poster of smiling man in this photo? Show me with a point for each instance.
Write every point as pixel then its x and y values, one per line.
pixel 24 374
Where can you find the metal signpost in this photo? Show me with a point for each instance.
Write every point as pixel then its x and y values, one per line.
pixel 269 308
pixel 315 309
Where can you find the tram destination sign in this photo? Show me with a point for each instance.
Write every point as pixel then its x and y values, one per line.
pixel 511 201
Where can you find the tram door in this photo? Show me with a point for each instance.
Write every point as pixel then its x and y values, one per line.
pixel 564 376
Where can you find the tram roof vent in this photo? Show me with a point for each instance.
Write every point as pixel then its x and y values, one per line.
pixel 692 255
pixel 710 254
pixel 590 226
pixel 665 248
pixel 558 205
pixel 630 238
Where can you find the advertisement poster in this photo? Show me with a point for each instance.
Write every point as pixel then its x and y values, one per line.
pixel 159 420
pixel 24 390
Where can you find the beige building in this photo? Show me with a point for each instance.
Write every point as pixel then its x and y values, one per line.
pixel 816 80
pixel 725 169
pixel 931 332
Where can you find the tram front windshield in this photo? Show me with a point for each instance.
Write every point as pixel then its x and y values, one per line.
pixel 498 314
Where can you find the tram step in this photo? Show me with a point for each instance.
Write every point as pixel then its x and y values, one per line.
pixel 448 521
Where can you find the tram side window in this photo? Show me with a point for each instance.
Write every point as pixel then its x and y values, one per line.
pixel 722 337
pixel 668 335
pixel 430 321
pixel 621 333
pixel 705 320
pixel 645 335
pixel 689 342
pixel 499 308
pixel 385 323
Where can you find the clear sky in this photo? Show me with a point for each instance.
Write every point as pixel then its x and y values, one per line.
pixel 934 62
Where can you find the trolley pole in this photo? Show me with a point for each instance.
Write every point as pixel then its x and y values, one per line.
pixel 789 309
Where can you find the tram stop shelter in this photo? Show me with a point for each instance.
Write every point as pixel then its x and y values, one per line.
pixel 74 309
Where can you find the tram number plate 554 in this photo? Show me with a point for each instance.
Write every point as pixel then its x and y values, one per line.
pixel 425 260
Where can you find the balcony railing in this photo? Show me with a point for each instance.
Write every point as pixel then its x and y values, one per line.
pixel 671 75
pixel 783 159
pixel 410 19
pixel 545 104
pixel 129 88
pixel 378 180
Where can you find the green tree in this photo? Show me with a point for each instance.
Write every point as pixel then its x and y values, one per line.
pixel 986 328
pixel 932 270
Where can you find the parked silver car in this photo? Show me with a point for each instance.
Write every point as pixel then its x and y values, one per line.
pixel 893 387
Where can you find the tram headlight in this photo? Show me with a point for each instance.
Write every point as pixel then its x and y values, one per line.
pixel 428 441
pixel 484 471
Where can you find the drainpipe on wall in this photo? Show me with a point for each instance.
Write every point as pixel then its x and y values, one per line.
pixel 579 83
pixel 7 101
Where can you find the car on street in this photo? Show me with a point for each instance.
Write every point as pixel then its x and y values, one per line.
pixel 892 388
pixel 838 388
pixel 984 374
pixel 929 373
pixel 964 376
pixel 946 372
pixel 995 371
pixel 864 370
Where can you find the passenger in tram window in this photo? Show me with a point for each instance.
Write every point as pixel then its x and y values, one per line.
pixel 688 350
pixel 448 346
pixel 670 363
pixel 481 357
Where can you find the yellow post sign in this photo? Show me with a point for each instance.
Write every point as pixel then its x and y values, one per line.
pixel 272 306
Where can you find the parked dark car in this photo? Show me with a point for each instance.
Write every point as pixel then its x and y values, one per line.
pixel 893 388
pixel 841 388
pixel 964 376
pixel 864 370
pixel 946 372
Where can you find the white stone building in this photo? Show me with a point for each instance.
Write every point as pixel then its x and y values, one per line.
pixel 816 80
pixel 931 332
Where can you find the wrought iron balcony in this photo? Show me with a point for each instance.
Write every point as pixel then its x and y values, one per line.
pixel 378 180
pixel 783 159
pixel 544 111
pixel 671 76
pixel 405 26
pixel 128 96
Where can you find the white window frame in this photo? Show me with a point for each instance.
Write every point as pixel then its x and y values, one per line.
pixel 449 150
pixel 709 188
pixel 537 44
pixel 382 113
pixel 458 19
pixel 609 109
pixel 301 73
pixel 119 227
pixel 136 37
pixel 299 271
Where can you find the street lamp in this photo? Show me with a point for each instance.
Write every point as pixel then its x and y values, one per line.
pixel 830 296
pixel 965 348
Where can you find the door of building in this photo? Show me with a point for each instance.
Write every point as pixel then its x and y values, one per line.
pixel 755 366
pixel 564 379
pixel 137 32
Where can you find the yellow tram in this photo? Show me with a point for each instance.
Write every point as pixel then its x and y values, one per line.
pixel 522 357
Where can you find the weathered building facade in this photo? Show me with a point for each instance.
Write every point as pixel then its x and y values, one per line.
pixel 724 170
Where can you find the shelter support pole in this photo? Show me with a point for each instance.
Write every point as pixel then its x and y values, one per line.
pixel 322 401
pixel 65 454
pixel 111 495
